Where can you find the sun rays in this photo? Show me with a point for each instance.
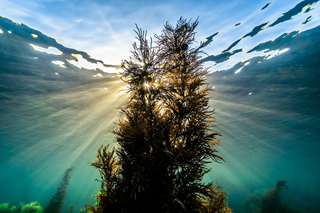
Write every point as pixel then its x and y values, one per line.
pixel 78 120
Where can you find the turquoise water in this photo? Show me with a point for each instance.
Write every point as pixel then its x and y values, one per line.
pixel 53 116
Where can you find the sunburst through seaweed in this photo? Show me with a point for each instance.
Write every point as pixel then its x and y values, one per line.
pixel 166 137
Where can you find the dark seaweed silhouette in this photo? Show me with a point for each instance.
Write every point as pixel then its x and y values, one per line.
pixel 106 163
pixel 271 201
pixel 166 137
pixel 56 202
pixel 71 208
pixel 59 198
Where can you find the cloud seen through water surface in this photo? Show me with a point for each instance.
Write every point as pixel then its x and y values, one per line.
pixel 105 29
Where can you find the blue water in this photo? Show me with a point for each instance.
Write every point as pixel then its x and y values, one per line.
pixel 52 117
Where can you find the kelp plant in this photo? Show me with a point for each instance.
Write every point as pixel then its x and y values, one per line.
pixel 56 202
pixel 271 201
pixel 166 137
pixel 59 198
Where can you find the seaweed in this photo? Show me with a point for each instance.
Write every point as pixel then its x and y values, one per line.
pixel 166 137
pixel 271 198
pixel 84 210
pixel 107 197
pixel 33 207
pixel 58 199
pixel 270 201
pixel 70 208
pixel 56 202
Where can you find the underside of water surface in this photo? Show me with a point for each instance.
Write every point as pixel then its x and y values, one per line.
pixel 61 90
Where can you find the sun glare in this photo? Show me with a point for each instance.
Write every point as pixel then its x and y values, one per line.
pixel 147 85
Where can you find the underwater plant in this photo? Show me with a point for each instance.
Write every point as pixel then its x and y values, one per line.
pixel 166 137
pixel 270 201
pixel 271 198
pixel 84 210
pixel 59 198
pixel 56 202
pixel 109 174
pixel 33 207
pixel 71 208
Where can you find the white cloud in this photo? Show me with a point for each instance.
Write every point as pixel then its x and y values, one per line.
pixel 59 63
pixel 83 63
pixel 49 50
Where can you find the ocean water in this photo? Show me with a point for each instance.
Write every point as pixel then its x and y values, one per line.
pixel 55 113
